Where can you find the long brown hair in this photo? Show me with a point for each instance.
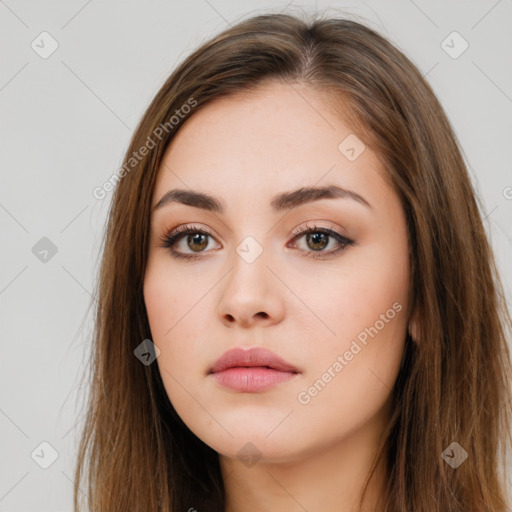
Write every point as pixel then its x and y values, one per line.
pixel 135 452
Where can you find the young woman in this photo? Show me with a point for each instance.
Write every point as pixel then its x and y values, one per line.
pixel 298 305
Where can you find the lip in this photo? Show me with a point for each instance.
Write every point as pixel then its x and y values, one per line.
pixel 251 370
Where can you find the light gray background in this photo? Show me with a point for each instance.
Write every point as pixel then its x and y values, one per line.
pixel 65 122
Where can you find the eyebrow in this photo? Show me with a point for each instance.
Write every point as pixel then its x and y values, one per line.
pixel 281 202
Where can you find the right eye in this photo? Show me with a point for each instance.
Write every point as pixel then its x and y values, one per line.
pixel 195 238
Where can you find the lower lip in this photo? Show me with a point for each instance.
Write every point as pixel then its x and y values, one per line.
pixel 251 379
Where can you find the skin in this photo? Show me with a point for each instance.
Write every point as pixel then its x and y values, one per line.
pixel 244 149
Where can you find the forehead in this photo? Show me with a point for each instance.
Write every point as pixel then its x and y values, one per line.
pixel 253 144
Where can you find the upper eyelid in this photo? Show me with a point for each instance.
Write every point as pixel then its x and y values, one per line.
pixel 184 228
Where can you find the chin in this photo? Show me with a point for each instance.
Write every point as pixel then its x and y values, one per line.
pixel 255 444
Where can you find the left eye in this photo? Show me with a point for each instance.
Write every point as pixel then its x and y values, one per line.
pixel 197 240
pixel 317 238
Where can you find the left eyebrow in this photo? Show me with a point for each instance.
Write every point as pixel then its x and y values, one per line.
pixel 281 202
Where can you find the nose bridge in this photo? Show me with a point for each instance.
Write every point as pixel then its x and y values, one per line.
pixel 249 262
pixel 250 249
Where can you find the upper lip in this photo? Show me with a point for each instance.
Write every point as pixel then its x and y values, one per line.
pixel 239 357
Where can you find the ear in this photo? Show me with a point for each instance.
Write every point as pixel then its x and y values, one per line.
pixel 413 328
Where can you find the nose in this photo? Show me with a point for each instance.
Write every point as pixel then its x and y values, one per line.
pixel 251 294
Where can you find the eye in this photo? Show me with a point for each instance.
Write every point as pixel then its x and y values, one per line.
pixel 318 238
pixel 196 239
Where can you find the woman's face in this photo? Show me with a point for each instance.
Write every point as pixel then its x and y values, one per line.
pixel 333 306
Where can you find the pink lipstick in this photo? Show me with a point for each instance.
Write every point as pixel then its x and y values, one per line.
pixel 252 370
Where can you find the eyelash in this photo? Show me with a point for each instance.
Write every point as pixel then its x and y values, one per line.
pixel 169 239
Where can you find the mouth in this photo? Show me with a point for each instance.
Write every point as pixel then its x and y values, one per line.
pixel 252 370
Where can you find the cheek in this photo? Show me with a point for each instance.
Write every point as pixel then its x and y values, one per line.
pixel 353 299
pixel 173 310
pixel 370 327
pixel 164 298
pixel 367 324
pixel 160 305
